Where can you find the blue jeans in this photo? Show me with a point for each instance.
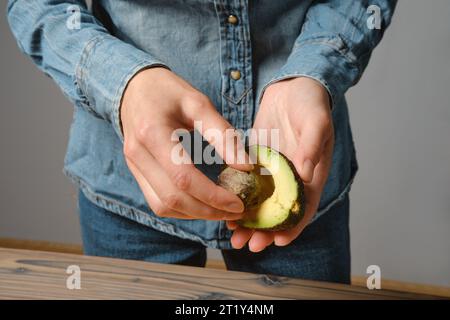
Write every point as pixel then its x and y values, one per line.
pixel 321 252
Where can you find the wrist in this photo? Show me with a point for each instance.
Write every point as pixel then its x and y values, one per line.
pixel 307 81
pixel 302 90
pixel 308 88
pixel 134 86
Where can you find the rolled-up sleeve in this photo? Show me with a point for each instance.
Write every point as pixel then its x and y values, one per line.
pixel 336 42
pixel 91 66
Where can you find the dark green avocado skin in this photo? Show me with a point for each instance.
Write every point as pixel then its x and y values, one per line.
pixel 294 217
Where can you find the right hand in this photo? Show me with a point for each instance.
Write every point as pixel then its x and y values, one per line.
pixel 155 103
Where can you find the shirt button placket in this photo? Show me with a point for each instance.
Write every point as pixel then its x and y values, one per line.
pixel 235 74
pixel 236 63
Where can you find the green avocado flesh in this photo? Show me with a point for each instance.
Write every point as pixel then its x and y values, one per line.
pixel 272 192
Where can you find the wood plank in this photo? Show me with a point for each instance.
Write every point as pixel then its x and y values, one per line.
pixel 28 274
pixel 406 286
pixel 388 284
pixel 41 245
pixel 219 264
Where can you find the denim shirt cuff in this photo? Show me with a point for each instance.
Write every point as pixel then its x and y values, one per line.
pixel 106 66
pixel 324 59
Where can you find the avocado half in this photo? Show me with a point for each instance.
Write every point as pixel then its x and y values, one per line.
pixel 272 192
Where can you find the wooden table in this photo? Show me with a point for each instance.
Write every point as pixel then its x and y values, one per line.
pixel 26 274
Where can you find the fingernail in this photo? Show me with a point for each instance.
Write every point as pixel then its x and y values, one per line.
pixel 235 245
pixel 308 170
pixel 280 243
pixel 235 207
pixel 255 250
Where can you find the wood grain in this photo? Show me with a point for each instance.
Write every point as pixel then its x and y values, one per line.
pixel 42 275
pixel 41 245
pixel 357 280
pixel 403 286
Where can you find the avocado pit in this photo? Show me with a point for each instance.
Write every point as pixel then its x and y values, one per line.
pixel 272 192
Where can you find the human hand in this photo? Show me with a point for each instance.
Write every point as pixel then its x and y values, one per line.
pixel 300 109
pixel 155 103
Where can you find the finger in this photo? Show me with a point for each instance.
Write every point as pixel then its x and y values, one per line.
pixel 260 240
pixel 171 197
pixel 283 238
pixel 177 164
pixel 310 147
pixel 219 133
pixel 312 197
pixel 313 191
pixel 232 225
pixel 240 237
pixel 151 197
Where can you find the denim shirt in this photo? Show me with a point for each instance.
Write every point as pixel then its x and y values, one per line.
pixel 93 53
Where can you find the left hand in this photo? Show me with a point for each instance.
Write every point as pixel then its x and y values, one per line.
pixel 300 109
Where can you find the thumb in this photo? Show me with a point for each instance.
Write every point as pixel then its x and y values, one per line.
pixel 310 148
pixel 220 133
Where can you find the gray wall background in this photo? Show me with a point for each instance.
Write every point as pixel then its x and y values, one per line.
pixel 400 112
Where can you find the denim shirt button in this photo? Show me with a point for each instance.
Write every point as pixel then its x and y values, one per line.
pixel 235 74
pixel 232 19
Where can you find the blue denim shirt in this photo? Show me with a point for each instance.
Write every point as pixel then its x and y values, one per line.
pixel 92 54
